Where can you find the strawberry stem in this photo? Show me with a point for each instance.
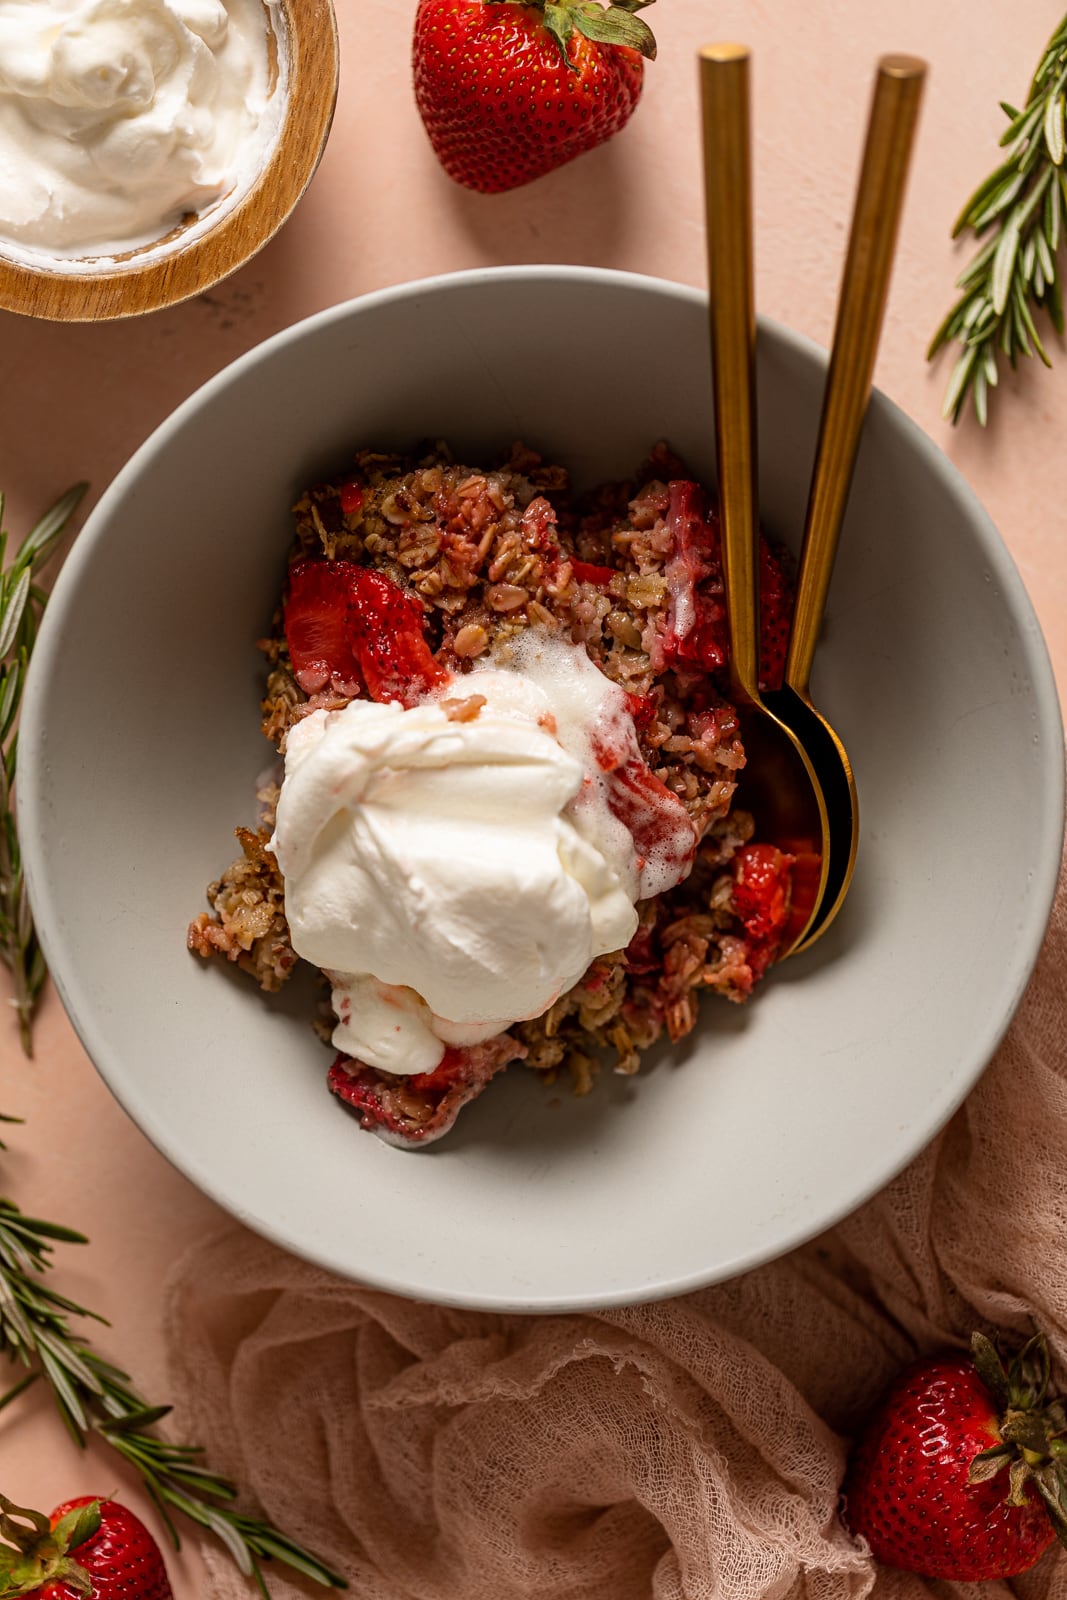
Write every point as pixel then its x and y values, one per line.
pixel 1032 1428
pixel 34 1555
pixel 614 23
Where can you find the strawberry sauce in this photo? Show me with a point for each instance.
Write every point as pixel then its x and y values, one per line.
pixel 664 839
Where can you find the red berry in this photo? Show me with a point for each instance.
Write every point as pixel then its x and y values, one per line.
pixel 386 627
pixel 761 898
pixel 908 1489
pixel 505 100
pixel 665 840
pixel 317 627
pixel 347 626
pixel 121 1558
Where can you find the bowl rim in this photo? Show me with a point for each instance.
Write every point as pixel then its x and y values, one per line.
pixel 1021 956
pixel 169 276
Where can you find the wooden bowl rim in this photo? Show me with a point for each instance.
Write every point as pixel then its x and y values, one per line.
pixel 132 290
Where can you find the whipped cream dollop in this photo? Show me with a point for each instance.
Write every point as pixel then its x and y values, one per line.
pixel 454 867
pixel 119 117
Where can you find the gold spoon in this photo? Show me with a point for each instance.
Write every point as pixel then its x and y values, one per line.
pixel 780 785
pixel 798 779
pixel 860 310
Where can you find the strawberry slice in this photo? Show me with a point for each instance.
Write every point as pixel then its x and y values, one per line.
pixel 387 633
pixel 761 899
pixel 642 953
pixel 350 628
pixel 317 627
pixel 664 838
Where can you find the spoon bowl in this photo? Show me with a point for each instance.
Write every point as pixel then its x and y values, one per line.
pixel 782 786
pixel 822 871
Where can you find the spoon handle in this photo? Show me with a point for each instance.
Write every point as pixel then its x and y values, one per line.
pixel 860 309
pixel 724 79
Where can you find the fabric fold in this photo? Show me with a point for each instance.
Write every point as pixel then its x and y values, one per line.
pixel 690 1449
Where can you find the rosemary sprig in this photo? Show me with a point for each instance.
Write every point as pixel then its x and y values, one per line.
pixel 94 1396
pixel 1022 206
pixel 21 604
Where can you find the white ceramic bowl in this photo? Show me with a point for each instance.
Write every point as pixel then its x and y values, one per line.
pixel 141 745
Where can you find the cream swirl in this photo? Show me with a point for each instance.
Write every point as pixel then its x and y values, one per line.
pixel 119 117
pixel 454 873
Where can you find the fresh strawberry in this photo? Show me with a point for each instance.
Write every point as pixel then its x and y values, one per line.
pixel 347 626
pixel 510 89
pixel 761 899
pixel 962 1472
pixel 88 1547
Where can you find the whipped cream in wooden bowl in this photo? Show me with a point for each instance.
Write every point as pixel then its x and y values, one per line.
pixel 120 119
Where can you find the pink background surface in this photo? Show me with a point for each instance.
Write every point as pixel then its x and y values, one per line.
pixel 76 401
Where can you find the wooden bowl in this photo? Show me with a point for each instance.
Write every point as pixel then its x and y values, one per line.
pixel 200 252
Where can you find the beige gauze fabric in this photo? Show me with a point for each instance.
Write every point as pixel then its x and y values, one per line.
pixel 685 1450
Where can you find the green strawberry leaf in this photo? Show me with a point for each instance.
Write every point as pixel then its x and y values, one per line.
pixel 11 1516
pixel 990 1369
pixel 76 1526
pixel 988 1463
pixel 1031 1371
pixel 1019 1477
pixel 29 1574
pixel 36 1555
pixel 1027 1429
pixel 1050 1487
pixel 19 1575
pixel 559 22
pixel 617 25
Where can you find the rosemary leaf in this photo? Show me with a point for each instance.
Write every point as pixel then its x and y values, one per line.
pixel 21 603
pixel 1017 271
